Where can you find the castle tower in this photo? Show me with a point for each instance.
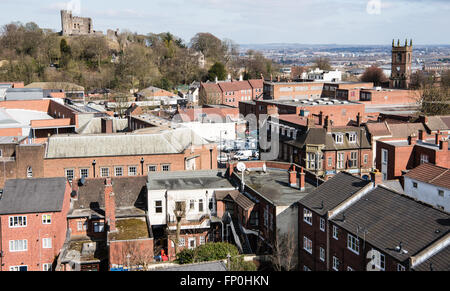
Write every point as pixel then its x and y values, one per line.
pixel 401 65
pixel 66 22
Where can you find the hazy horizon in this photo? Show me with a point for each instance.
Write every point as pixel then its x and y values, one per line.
pixel 255 22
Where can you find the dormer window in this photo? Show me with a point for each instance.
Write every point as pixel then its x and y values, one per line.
pixel 352 137
pixel 339 138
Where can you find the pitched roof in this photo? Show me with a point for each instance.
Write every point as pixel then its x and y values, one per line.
pixel 405 129
pixel 438 123
pixel 237 196
pixel 378 129
pixel 235 86
pixel 211 87
pixel 438 262
pixel 391 218
pixel 130 192
pixel 189 115
pixel 103 145
pixel 256 83
pixel 431 174
pixel 41 195
pixel 333 192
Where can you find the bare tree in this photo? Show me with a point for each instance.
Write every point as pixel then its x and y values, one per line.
pixel 133 256
pixel 283 255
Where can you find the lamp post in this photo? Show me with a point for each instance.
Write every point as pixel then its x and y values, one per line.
pixel 142 166
pixel 94 162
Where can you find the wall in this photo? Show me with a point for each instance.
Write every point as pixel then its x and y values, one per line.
pixel 427 193
pixel 35 230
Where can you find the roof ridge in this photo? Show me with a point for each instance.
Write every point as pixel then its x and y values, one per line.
pixel 438 176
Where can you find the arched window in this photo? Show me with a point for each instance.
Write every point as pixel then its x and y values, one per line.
pixel 29 172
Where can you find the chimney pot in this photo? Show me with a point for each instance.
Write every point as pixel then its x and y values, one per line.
pixel 293 177
pixel 302 179
pixel 376 177
pixel 110 206
pixel 443 144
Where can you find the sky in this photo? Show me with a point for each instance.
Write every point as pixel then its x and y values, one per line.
pixel 370 22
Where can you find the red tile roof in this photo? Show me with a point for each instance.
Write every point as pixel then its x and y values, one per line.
pixel 189 115
pixel 235 86
pixel 431 174
pixel 256 83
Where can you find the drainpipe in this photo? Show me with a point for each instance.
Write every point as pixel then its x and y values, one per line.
pixel 328 242
pixel 210 158
pixel 1 246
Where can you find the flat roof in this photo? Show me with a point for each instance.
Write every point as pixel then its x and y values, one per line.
pixel 311 102
pixel 273 185
pixel 188 180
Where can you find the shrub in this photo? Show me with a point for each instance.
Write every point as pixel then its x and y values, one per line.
pixel 207 252
pixel 186 256
pixel 238 264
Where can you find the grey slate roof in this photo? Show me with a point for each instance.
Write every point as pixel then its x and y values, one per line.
pixel 205 267
pixel 41 195
pixel 167 142
pixel 188 180
pixel 439 262
pixel 333 192
pixel 391 218
pixel 130 196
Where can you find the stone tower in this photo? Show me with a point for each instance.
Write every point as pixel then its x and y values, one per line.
pixel 66 22
pixel 74 25
pixel 401 65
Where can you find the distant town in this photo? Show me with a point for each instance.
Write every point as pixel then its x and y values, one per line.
pixel 129 152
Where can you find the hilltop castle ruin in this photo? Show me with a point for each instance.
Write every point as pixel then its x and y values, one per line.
pixel 75 25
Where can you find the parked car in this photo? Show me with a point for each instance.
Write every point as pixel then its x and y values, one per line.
pixel 223 158
pixel 243 155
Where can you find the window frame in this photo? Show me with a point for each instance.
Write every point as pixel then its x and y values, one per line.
pixel 336 263
pixel 66 171
pixel 322 224
pixel 307 245
pixel 335 232
pixel 81 173
pixel 151 167
pixel 46 219
pixel 24 246
pixel 47 243
pixel 23 219
pixel 102 172
pixel 130 171
pixel 307 216
pixel 165 165
pixel 322 254
pixel 353 243
pixel 116 168
pixel 158 207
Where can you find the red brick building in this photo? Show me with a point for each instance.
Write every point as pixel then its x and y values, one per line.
pixel 113 155
pixel 339 228
pixel 33 217
pixel 395 156
pixel 230 92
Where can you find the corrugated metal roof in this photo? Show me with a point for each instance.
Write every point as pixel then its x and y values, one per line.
pixel 167 142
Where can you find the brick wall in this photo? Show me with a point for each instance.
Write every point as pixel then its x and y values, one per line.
pixel 34 232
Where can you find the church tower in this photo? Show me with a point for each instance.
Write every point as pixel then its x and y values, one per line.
pixel 401 65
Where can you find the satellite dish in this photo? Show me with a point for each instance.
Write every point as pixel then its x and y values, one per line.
pixel 241 167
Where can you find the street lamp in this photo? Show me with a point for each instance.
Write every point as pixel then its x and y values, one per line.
pixel 142 166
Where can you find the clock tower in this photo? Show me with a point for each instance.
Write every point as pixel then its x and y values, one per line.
pixel 401 65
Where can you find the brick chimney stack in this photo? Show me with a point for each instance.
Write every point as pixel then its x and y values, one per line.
pixel 443 144
pixel 421 135
pixel 437 137
pixel 230 169
pixel 358 119
pixel 376 177
pixel 302 179
pixel 412 140
pixel 321 118
pixel 327 124
pixel 110 206
pixel 293 177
